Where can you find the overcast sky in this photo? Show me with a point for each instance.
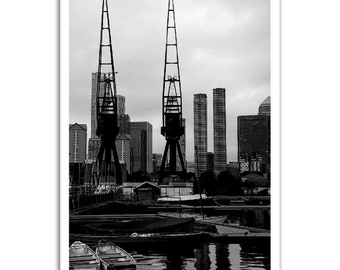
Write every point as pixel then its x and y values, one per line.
pixel 221 43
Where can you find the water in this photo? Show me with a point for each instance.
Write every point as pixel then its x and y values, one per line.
pixel 213 256
pixel 257 218
pixel 209 256
pixel 251 218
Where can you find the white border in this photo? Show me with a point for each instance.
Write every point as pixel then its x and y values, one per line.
pixel 64 124
pixel 275 133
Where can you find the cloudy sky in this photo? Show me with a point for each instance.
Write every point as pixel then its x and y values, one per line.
pixel 221 43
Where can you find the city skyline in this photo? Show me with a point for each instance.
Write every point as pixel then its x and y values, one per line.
pixel 233 54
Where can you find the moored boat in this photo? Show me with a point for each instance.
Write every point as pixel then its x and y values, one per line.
pixel 164 238
pixel 114 257
pixel 81 256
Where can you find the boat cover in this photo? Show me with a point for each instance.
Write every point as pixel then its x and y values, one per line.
pixel 129 226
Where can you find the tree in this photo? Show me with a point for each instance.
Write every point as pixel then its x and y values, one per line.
pixel 208 183
pixel 227 184
pixel 190 177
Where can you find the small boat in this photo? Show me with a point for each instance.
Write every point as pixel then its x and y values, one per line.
pixel 114 257
pixel 166 238
pixel 81 256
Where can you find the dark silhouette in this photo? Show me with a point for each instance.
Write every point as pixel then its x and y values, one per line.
pixel 227 184
pixel 139 177
pixel 208 183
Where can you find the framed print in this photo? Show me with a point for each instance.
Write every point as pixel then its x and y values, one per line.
pixel 170 134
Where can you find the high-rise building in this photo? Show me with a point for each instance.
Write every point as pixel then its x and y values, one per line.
pixel 220 130
pixel 156 161
pixel 94 102
pixel 94 145
pixel 210 162
pixel 123 145
pixel 253 132
pixel 124 123
pixel 77 143
pixel 200 131
pixel 191 166
pixel 264 108
pixel 141 146
pixel 120 103
pixel 234 168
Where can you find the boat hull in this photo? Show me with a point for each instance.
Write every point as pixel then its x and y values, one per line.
pixel 81 256
pixel 112 256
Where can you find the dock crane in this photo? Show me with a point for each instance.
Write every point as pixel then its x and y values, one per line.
pixel 106 104
pixel 172 128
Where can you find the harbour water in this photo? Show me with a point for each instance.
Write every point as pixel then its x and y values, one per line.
pixel 208 256
pixel 212 256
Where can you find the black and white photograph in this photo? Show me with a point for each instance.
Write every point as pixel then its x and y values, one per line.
pixel 169 134
pixel 169 163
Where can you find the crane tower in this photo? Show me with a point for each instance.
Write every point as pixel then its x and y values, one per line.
pixel 106 104
pixel 172 128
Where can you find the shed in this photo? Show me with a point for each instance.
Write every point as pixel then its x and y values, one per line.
pixel 147 192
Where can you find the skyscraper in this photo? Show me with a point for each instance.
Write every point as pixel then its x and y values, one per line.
pixel 191 166
pixel 94 145
pixel 77 143
pixel 200 132
pixel 141 146
pixel 123 145
pixel 220 130
pixel 264 108
pixel 93 103
pixel 124 123
pixel 253 133
pixel 156 161
pixel 210 162
pixel 120 104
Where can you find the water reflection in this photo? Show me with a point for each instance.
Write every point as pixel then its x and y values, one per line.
pixel 202 258
pixel 220 256
pixel 215 256
pixel 252 218
pixel 255 255
pixel 257 219
pixel 234 256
